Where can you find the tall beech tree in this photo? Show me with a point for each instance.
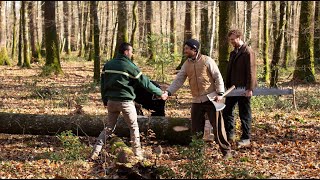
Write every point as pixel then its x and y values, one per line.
pixel 52 64
pixel 304 68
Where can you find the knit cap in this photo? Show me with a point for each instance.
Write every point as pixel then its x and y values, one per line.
pixel 193 44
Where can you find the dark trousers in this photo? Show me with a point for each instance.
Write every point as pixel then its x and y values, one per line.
pixel 244 113
pixel 198 111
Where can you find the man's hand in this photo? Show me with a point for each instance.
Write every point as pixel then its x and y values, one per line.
pixel 218 98
pixel 164 95
pixel 248 93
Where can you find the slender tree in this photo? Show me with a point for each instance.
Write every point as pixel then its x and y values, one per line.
pixel 277 47
pixel 52 64
pixel 122 35
pixel 14 29
pixel 26 55
pixel 33 32
pixel 226 18
pixel 317 32
pixel 106 41
pixel 248 22
pixel 96 32
pixel 304 68
pixel 173 35
pixel 80 5
pixel 266 66
pixel 72 22
pixel 213 27
pixel 149 31
pixel 141 23
pixel 287 39
pixel 259 28
pixel 134 23
pixel 204 32
pixel 66 23
pixel 20 41
pixel 187 29
pixel 4 58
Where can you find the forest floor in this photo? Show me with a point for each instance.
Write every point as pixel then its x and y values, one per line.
pixel 285 140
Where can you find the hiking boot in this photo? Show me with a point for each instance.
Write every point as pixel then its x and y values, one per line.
pixel 94 156
pixel 227 156
pixel 244 143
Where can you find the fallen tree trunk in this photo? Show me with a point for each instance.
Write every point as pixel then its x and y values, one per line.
pixel 88 125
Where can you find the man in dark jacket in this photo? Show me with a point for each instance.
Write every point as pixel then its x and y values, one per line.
pixel 241 72
pixel 119 78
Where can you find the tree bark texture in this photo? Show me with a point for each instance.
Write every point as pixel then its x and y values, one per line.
pixel 96 33
pixel 266 72
pixel 4 58
pixel 304 69
pixel 26 55
pixel 51 38
pixel 86 125
pixel 226 15
pixel 187 29
pixel 122 35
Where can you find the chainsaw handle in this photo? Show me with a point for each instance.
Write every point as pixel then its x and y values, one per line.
pixel 229 90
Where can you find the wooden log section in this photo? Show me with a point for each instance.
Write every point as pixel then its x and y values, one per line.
pixel 89 125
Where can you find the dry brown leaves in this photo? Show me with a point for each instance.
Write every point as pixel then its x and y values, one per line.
pixel 285 147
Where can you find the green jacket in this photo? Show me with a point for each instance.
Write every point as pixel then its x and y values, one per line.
pixel 119 78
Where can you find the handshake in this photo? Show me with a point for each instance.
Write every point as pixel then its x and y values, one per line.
pixel 164 96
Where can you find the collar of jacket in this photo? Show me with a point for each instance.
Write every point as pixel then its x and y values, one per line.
pixel 198 57
pixel 122 56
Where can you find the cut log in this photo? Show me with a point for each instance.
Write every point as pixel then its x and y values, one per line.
pixel 88 125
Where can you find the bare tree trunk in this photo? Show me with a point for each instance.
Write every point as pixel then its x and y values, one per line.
pixel 149 31
pixel 213 28
pixel 107 42
pixel 66 23
pixel 20 41
pixel 317 32
pixel 187 29
pixel 26 55
pixel 134 23
pixel 141 23
pixel 205 46
pixel 226 14
pixel 122 35
pixel 74 31
pixel 52 43
pixel 277 47
pixel 32 34
pixel 81 27
pixel 173 36
pixel 304 69
pixel 259 28
pixel 248 22
pixel 96 32
pixel 4 58
pixel 14 29
pixel 287 39
pixel 266 73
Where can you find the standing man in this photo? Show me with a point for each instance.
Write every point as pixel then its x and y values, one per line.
pixel 204 78
pixel 241 72
pixel 119 78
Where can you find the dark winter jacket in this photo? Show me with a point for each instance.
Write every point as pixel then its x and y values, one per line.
pixel 241 70
pixel 119 78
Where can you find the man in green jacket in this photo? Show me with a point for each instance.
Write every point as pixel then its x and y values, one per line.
pixel 119 78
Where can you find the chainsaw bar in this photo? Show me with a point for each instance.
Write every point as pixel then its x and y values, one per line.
pixel 261 91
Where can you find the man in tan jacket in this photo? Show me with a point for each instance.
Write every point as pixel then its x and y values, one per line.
pixel 204 78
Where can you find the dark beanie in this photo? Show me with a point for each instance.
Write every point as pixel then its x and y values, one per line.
pixel 193 44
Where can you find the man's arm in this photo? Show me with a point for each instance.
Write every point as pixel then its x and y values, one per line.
pixel 178 81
